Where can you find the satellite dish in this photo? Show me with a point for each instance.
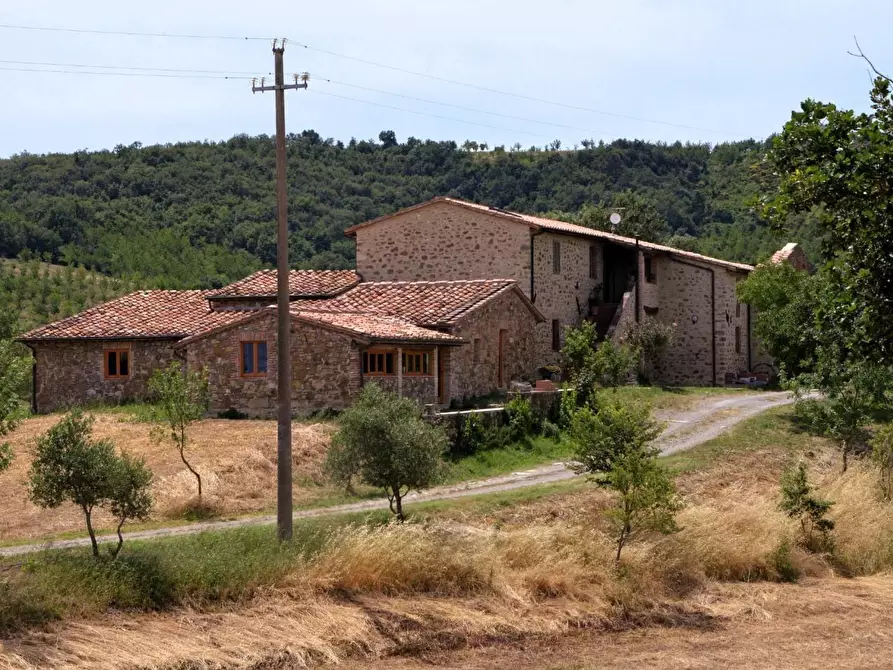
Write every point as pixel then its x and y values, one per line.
pixel 615 218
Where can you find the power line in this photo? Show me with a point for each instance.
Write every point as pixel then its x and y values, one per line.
pixel 191 71
pixel 128 67
pixel 385 66
pixel 448 104
pixel 124 74
pixel 436 116
pixel 131 33
pixel 497 91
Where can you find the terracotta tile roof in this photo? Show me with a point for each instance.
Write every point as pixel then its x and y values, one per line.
pixel 302 284
pixel 425 303
pixel 378 327
pixel 540 223
pixel 139 315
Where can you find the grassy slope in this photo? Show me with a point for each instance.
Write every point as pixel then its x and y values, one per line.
pixel 494 568
pixel 236 459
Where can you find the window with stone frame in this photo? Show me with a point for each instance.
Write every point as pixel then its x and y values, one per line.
pixel 556 335
pixel 116 363
pixel 253 358
pixel 556 257
pixel 416 363
pixel 476 350
pixel 378 362
pixel 593 261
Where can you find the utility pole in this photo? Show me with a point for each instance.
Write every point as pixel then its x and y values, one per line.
pixel 284 514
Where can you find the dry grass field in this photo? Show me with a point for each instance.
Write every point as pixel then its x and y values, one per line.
pixel 526 580
pixel 237 461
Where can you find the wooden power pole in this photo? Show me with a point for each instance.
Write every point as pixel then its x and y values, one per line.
pixel 284 514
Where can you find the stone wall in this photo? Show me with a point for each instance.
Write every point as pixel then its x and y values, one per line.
pixel 443 242
pixel 564 295
pixel 685 299
pixel 325 369
pixel 473 376
pixel 73 373
pixel 682 295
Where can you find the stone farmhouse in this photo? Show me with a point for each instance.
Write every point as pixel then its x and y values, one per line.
pixel 449 300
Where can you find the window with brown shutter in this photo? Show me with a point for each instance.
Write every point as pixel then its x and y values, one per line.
pixel 593 261
pixel 556 257
pixel 556 335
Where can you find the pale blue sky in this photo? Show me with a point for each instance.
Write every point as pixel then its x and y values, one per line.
pixel 717 65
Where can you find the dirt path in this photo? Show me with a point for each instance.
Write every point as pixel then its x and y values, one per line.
pixel 684 430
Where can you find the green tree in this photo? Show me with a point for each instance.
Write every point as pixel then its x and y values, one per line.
pixel 183 398
pixel 383 439
pixel 784 302
pixel 69 466
pixel 853 395
pixel 609 430
pixel 646 497
pixel 798 501
pixel 638 217
pixel 14 372
pixel 129 494
pixel 615 444
pixel 837 164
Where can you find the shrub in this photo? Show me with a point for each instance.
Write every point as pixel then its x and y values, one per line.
pixel 798 502
pixel 579 345
pixel 551 430
pixel 649 338
pixel 522 422
pixel 384 440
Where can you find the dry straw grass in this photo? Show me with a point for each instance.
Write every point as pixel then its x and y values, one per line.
pixel 529 571
pixel 237 461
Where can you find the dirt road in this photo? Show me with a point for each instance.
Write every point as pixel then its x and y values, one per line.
pixel 684 430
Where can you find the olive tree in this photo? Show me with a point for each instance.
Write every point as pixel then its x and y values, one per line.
pixel 70 466
pixel 384 441
pixel 183 397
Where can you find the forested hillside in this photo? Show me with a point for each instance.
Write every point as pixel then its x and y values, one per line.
pixel 200 214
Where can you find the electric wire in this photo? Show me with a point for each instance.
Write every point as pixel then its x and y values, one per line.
pixel 394 68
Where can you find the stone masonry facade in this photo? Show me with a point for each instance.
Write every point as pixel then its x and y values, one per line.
pixel 698 296
pixel 72 373
pixel 443 242
pixel 473 367
pixel 325 368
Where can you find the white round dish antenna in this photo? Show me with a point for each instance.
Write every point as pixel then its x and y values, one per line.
pixel 615 218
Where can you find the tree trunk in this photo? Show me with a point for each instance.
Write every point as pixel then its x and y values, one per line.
pixel 90 531
pixel 198 477
pixel 117 549
pixel 846 449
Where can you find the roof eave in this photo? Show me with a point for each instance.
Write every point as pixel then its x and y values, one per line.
pixel 100 338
